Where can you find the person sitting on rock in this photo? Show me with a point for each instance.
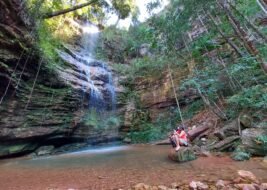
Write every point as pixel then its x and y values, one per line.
pixel 179 138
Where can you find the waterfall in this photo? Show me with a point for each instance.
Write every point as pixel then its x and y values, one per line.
pixel 98 99
pixel 89 40
pixel 112 92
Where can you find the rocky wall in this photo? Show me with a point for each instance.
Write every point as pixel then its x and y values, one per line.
pixel 38 105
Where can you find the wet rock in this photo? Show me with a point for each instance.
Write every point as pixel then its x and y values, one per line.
pixel 197 185
pixel 247 176
pixel 69 147
pixel 44 150
pixel 249 140
pixel 184 154
pixel 32 155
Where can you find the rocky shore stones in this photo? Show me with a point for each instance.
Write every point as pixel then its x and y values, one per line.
pixel 246 181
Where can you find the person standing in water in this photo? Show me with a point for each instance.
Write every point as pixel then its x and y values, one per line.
pixel 179 138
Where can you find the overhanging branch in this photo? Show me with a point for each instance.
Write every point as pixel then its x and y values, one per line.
pixel 61 12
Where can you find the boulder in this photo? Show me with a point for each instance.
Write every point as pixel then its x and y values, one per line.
pixel 245 121
pixel 197 185
pixel 184 154
pixel 14 149
pixel 247 176
pixel 144 50
pixel 228 130
pixel 44 150
pixel 221 184
pixel 252 144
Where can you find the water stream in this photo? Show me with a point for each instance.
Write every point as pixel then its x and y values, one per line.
pixel 97 97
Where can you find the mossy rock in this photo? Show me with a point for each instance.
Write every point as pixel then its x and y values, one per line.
pixel 250 140
pixel 246 121
pixel 184 154
pixel 10 150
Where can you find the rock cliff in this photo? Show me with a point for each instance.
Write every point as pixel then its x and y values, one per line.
pixel 39 106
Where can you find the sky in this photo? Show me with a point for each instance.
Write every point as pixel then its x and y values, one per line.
pixel 143 13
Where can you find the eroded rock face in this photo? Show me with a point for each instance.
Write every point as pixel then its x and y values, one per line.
pixel 156 93
pixel 37 107
pixel 89 76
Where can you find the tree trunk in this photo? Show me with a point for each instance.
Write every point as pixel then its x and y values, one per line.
pixel 249 23
pixel 244 37
pixel 229 41
pixel 61 12
pixel 206 101
pixel 239 31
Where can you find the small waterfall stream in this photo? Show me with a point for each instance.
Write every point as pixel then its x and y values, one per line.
pixel 104 97
pixel 93 79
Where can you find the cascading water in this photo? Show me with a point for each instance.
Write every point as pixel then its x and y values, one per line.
pixel 94 79
pixel 97 99
pixel 112 92
pixel 89 40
